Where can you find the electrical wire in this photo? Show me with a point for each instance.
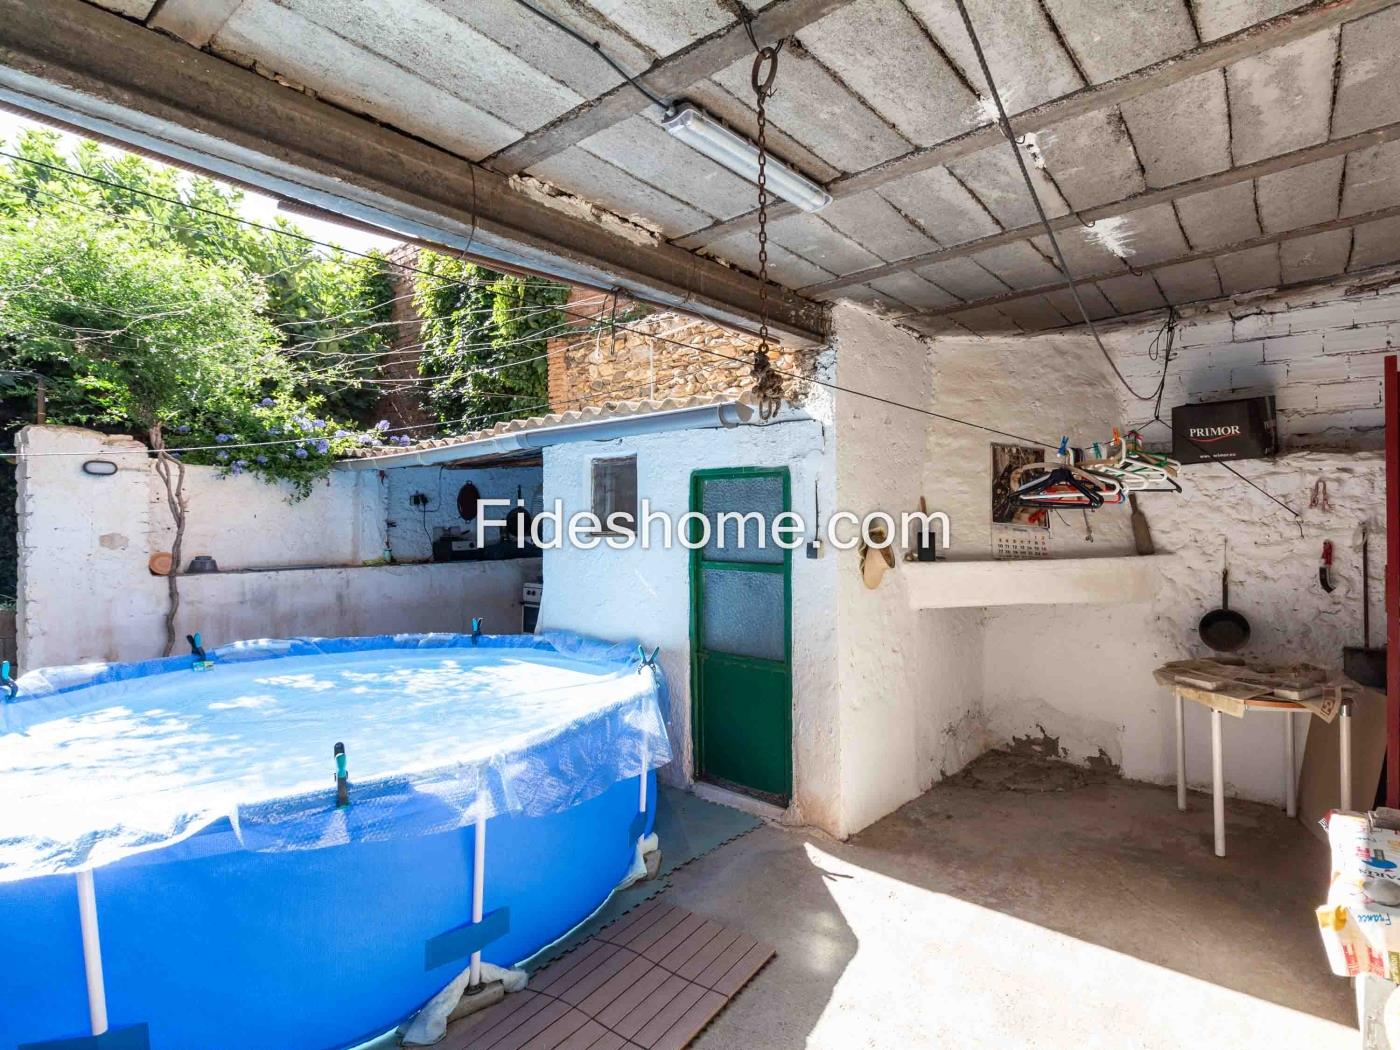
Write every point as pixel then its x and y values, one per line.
pixel 1005 123
pixel 596 48
pixel 407 268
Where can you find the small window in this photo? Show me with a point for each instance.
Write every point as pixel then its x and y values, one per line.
pixel 615 489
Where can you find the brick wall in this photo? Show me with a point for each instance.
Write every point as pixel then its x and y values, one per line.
pixel 1319 351
pixel 591 364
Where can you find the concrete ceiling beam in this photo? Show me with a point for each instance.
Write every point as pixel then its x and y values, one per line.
pixel 1266 240
pixel 666 78
pixel 69 61
pixel 1216 54
pixel 1137 202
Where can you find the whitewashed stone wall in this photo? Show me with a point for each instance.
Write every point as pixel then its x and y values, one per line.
pixel 1319 352
pixel 86 592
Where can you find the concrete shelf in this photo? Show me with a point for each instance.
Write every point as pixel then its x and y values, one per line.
pixel 1049 581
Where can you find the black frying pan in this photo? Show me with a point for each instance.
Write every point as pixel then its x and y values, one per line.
pixel 1223 629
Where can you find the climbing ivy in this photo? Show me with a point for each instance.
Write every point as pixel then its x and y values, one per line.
pixel 485 338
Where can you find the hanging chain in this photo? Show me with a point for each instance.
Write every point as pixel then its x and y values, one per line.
pixel 768 385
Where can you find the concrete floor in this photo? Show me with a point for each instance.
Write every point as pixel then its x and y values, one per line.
pixel 1025 904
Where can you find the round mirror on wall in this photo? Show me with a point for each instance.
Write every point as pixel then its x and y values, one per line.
pixel 467 500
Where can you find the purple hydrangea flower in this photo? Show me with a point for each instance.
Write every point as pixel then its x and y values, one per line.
pixel 365 439
pixel 261 460
pixel 267 402
pixel 339 434
pixel 221 456
pixel 239 465
pixel 223 439
pixel 318 424
pixel 382 425
pixel 185 429
pixel 301 453
pixel 322 446
pixel 274 430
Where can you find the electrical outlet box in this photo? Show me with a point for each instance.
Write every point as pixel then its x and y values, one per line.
pixel 418 499
pixel 814 548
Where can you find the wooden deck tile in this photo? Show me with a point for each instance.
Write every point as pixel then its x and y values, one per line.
pixel 676 957
pixel 651 981
pixel 688 1025
pixel 640 1015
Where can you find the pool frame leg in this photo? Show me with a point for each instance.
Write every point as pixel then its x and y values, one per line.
pixel 478 893
pixel 92 952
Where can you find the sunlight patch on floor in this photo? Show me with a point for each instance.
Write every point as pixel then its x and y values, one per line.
pixel 958 975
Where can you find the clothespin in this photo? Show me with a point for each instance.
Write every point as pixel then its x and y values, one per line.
pixel 6 682
pixel 647 661
pixel 1064 446
pixel 200 661
pixel 342 776
pixel 476 628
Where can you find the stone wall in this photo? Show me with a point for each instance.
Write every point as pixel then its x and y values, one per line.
pixel 1318 350
pixel 592 364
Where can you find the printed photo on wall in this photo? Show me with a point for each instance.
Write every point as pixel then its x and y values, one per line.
pixel 1005 459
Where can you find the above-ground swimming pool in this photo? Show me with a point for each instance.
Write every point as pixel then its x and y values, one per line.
pixel 235 904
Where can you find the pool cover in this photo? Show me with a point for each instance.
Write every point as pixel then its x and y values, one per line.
pixel 100 762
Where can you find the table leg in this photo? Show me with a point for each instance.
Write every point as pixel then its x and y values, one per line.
pixel 1346 754
pixel 1290 782
pixel 1180 754
pixel 1217 773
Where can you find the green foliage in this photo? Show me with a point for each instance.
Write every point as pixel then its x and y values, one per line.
pixel 179 348
pixel 485 339
pixel 326 311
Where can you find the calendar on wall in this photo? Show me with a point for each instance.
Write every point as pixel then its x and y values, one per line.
pixel 1010 543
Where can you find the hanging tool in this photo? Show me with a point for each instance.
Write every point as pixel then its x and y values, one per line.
pixel 1223 629
pixel 1324 568
pixel 7 683
pixel 1142 534
pixel 477 621
pixel 1319 499
pixel 342 777
pixel 1362 664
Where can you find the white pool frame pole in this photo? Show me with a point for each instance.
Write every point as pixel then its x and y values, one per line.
pixel 478 893
pixel 92 952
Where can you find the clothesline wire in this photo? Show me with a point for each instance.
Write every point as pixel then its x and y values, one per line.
pixel 826 384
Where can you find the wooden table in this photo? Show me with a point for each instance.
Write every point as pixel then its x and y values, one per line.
pixel 1287 708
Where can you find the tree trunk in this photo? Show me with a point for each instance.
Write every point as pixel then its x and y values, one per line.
pixel 172 475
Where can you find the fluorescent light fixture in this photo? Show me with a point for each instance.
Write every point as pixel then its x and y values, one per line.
pixel 703 133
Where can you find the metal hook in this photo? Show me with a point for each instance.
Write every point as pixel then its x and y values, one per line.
pixel 763 85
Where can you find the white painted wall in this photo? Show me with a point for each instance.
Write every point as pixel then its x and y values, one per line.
pixel 645 593
pixel 85 592
pixel 410 536
pixel 910 684
pixel 1319 351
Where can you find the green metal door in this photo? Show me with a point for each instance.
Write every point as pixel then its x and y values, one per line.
pixel 741 634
